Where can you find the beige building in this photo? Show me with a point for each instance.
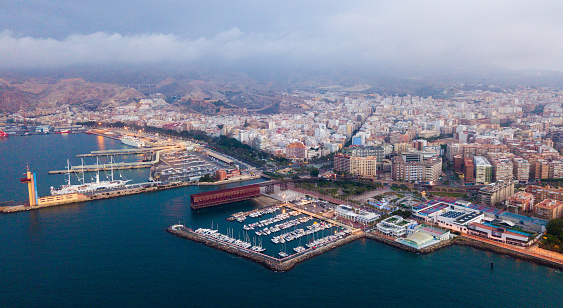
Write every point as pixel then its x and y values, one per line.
pixel 402 147
pixel 549 209
pixel 541 193
pixel 521 169
pixel 556 170
pixel 363 166
pixel 423 170
pixel 503 169
pixel 520 202
pixel 495 193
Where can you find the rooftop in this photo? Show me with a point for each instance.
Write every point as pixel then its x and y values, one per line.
pixel 482 161
pixel 549 204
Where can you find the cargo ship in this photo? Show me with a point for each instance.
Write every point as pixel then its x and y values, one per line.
pixel 132 141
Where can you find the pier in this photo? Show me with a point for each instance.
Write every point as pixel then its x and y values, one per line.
pixel 120 165
pixel 124 152
pixel 105 167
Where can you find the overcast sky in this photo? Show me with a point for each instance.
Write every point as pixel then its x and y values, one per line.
pixel 514 34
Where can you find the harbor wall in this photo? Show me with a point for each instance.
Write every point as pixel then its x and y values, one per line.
pixel 26 207
pixel 293 261
pixel 279 265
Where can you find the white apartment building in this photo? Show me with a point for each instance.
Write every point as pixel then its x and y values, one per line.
pixel 483 170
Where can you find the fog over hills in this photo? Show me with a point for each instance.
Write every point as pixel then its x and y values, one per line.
pixel 96 87
pixel 263 48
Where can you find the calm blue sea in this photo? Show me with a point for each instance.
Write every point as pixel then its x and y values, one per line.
pixel 116 253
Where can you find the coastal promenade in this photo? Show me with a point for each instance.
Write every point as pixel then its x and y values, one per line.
pixel 530 253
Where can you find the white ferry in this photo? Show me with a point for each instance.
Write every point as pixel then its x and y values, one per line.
pixel 132 141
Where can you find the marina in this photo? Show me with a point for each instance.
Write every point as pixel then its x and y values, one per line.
pixel 305 235
pixel 283 263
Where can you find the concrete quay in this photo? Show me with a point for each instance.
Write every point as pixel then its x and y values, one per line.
pixel 116 166
pixel 119 193
pixel 105 167
pixel 25 207
pixel 271 263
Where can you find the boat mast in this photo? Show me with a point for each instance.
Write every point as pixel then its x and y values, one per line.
pixel 97 170
pixel 68 172
pixel 82 169
pixel 111 166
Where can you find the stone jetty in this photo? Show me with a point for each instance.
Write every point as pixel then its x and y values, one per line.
pixel 279 265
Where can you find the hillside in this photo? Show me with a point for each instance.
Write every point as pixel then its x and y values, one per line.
pixel 33 93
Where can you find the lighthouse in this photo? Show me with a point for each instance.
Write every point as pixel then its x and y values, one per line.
pixel 31 186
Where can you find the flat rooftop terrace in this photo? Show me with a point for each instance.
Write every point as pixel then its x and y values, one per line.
pixel 524 219
pixel 486 209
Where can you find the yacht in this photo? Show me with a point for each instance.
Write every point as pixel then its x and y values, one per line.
pixel 69 188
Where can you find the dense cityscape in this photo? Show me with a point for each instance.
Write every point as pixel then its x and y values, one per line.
pixel 497 150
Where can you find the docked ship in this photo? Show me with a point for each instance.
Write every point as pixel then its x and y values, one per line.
pixel 132 141
pixel 98 185
pixel 3 134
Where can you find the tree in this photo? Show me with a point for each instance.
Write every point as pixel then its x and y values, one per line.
pixel 555 228
pixel 402 213
pixel 206 178
pixel 314 172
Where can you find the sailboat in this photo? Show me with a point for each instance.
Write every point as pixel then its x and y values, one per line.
pixel 68 188
pixel 282 253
